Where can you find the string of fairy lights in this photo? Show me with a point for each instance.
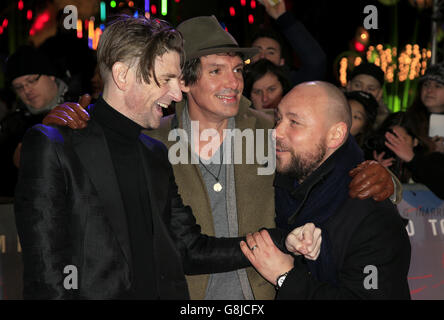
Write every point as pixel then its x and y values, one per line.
pixel 401 70
pixel 411 63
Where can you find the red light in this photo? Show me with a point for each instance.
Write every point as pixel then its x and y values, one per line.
pixel 232 11
pixel 153 9
pixel 243 3
pixel 131 4
pixel 29 14
pixel 1 29
pixel 39 22
pixel 20 5
pixel 79 29
pixel 253 4
pixel 177 1
pixel 5 23
pixel 359 46
pixel 250 19
pixel 86 25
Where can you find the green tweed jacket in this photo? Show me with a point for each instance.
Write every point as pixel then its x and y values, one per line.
pixel 254 193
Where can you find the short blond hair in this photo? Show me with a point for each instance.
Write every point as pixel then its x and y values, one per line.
pixel 140 40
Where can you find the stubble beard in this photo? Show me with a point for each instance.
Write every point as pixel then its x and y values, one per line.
pixel 301 166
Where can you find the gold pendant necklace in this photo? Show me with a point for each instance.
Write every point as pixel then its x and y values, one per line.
pixel 217 186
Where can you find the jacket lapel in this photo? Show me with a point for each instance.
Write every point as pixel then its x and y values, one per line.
pixel 247 175
pixel 92 150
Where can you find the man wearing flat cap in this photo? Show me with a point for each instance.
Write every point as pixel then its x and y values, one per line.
pixel 228 198
pixel 213 84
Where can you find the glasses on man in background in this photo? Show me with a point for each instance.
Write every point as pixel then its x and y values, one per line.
pixel 28 82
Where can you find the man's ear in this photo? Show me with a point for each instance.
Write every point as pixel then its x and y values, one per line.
pixel 337 135
pixel 415 142
pixel 282 62
pixel 379 95
pixel 184 87
pixel 120 75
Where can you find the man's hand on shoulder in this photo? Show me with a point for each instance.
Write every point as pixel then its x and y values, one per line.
pixel 70 114
pixel 371 180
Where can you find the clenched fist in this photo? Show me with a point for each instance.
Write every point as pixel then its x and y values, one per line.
pixel 305 240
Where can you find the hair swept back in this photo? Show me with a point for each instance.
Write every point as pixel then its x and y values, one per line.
pixel 137 40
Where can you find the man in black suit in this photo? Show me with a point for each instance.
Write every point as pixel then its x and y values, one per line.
pixel 365 249
pixel 97 209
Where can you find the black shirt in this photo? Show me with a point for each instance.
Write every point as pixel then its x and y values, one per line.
pixel 122 136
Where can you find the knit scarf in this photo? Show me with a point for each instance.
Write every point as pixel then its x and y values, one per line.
pixel 316 200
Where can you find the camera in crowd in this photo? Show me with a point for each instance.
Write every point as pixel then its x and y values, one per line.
pixel 376 142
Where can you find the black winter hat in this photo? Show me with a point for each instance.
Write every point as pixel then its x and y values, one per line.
pixel 369 69
pixel 434 72
pixel 367 100
pixel 28 60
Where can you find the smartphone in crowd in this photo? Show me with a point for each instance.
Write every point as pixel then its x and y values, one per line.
pixel 436 125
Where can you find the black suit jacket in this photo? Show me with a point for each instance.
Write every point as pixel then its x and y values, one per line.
pixel 69 211
pixel 364 234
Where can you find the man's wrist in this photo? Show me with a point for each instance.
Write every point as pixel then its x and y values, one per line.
pixel 286 18
pixel 280 280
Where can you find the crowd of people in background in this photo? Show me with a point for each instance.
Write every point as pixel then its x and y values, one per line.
pixel 400 141
pixel 44 77
pixel 263 90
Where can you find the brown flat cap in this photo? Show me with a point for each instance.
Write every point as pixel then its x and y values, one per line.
pixel 204 36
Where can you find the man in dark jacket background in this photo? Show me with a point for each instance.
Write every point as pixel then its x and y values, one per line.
pixel 365 249
pixel 35 81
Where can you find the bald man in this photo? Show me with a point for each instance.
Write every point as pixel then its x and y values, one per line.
pixel 365 249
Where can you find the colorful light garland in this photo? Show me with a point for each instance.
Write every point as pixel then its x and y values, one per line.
pixel 89 29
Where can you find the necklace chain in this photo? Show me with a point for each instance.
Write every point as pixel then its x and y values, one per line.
pixel 220 167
